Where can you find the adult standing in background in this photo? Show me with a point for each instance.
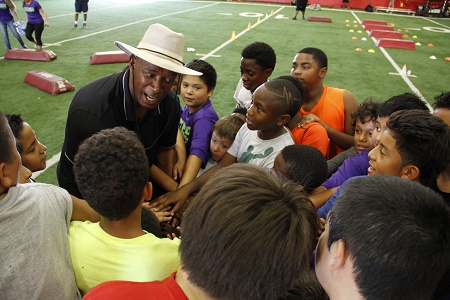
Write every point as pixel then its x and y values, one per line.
pixel 300 6
pixel 138 98
pixel 81 6
pixel 35 21
pixel 7 9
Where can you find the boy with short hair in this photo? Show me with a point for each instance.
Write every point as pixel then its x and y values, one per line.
pixel 329 106
pixel 257 64
pixel 34 220
pixel 302 164
pixel 385 238
pixel 224 133
pixel 259 140
pixel 32 152
pixel 248 235
pixel 111 171
pixel 198 117
pixel 414 146
pixel 358 164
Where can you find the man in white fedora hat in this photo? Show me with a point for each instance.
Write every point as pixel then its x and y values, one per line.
pixel 139 98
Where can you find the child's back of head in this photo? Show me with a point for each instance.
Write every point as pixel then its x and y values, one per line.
pixel 235 211
pixel 111 170
pixel 303 164
pixel 411 225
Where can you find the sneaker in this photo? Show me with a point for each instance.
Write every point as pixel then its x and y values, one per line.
pixel 294 18
pixel 25 47
pixel 75 25
pixel 84 25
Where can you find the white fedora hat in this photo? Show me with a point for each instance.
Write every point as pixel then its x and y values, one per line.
pixel 162 47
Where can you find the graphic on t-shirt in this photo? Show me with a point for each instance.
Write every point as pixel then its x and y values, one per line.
pixel 185 130
pixel 29 9
pixel 247 156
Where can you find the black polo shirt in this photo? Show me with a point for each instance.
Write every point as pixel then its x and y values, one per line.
pixel 107 103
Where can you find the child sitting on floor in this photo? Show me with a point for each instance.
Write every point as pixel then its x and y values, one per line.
pixel 111 171
pixel 198 117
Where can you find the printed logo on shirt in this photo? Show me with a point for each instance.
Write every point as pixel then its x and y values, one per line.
pixel 29 9
pixel 2 5
pixel 185 130
pixel 247 156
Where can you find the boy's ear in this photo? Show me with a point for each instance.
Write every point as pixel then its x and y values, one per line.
pixel 323 72
pixel 410 172
pixel 268 72
pixel 339 255
pixel 210 92
pixel 283 120
pixel 5 179
pixel 148 191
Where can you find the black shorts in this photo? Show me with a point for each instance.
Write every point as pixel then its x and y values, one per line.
pixel 301 4
pixel 81 6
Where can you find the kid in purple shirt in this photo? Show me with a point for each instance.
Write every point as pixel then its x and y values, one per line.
pixel 198 117
pixel 35 22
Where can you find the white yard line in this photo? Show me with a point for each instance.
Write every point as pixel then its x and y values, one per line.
pixel 398 69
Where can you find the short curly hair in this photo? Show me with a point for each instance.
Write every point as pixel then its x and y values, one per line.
pixel 261 52
pixel 111 170
pixel 442 101
pixel 305 165
pixel 368 108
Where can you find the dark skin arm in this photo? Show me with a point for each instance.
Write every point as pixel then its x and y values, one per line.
pixel 343 139
pixel 179 196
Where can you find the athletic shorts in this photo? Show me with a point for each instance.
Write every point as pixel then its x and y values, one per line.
pixel 81 6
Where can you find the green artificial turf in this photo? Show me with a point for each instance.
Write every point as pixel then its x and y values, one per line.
pixel 208 27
